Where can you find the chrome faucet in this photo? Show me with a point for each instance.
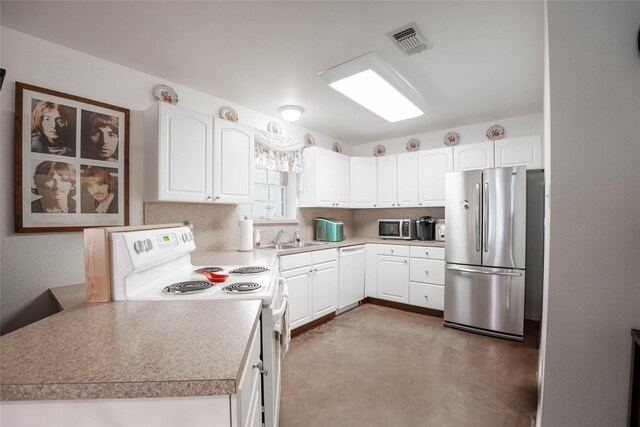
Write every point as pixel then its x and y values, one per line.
pixel 276 241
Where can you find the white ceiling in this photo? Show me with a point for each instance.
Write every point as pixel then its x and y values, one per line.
pixel 486 62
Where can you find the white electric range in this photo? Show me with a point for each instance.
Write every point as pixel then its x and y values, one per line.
pixel 156 265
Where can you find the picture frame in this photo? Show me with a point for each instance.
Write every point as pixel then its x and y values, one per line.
pixel 71 162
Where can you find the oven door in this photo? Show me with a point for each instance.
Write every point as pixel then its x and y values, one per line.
pixel 272 355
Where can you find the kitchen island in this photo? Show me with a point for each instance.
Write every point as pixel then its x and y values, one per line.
pixel 137 350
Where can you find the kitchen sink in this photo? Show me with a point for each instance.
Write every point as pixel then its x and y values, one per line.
pixel 291 245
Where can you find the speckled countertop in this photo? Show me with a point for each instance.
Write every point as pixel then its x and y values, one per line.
pixel 358 241
pixel 129 349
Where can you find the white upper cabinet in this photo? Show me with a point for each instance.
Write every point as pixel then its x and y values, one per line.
pixel 325 179
pixel 341 174
pixel 524 151
pixel 432 167
pixel 398 180
pixel 387 182
pixel 363 186
pixel 407 169
pixel 473 156
pixel 180 154
pixel 193 157
pixel 233 163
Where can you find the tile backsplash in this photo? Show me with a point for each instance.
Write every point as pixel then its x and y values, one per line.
pixel 216 227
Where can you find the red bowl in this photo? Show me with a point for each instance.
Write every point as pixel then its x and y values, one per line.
pixel 213 277
pixel 218 278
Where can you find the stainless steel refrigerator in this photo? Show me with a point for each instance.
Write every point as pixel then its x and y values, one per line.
pixel 486 215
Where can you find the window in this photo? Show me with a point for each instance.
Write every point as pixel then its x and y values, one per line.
pixel 270 193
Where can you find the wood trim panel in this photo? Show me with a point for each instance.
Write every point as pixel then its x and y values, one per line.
pixel 317 322
pixel 404 307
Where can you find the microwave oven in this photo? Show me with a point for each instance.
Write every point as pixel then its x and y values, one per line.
pixel 404 229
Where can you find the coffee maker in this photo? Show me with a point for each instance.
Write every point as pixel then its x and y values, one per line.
pixel 426 228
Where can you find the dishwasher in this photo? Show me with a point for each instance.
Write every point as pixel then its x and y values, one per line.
pixel 351 276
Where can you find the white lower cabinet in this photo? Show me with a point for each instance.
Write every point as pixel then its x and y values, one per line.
pixel 312 278
pixel 393 273
pixel 248 398
pixel 426 287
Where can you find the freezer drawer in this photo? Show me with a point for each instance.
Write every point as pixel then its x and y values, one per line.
pixel 491 299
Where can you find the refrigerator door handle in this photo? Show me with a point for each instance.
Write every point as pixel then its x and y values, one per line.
pixel 478 201
pixel 493 273
pixel 485 217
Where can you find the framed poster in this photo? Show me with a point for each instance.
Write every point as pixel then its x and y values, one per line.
pixel 71 162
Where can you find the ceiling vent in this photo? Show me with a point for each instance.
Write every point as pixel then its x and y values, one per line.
pixel 409 39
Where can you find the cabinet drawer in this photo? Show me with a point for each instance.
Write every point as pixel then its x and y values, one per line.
pixel 395 250
pixel 287 262
pixel 427 271
pixel 428 296
pixel 324 255
pixel 427 252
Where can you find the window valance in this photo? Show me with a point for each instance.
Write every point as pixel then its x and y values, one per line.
pixel 277 153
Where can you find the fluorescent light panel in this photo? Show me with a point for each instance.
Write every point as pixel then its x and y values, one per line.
pixel 374 93
pixel 376 86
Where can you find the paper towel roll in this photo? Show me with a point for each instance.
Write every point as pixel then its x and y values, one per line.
pixel 246 235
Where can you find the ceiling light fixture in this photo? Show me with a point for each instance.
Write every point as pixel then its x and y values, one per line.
pixel 376 86
pixel 291 113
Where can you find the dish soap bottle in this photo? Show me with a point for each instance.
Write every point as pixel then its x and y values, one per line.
pixel 257 238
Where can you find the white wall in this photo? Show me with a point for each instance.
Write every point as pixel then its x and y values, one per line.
pixel 514 127
pixel 32 263
pixel 594 248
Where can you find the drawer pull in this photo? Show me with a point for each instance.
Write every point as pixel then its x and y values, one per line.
pixel 426 297
pixel 426 253
pixel 426 272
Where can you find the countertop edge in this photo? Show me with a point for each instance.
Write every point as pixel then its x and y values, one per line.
pixel 120 390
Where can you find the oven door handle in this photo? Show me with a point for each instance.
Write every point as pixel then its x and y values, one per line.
pixel 277 314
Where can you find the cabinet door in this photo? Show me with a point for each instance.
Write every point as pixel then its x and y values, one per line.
pixel 324 178
pixel 387 182
pixel 363 187
pixel 393 278
pixel 325 288
pixel 341 180
pixel 299 295
pixel 371 270
pixel 432 167
pixel 525 151
pixel 234 163
pixel 185 155
pixel 407 165
pixel 473 156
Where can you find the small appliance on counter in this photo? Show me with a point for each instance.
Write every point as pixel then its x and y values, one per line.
pixel 426 228
pixel 329 230
pixel 439 230
pixel 404 229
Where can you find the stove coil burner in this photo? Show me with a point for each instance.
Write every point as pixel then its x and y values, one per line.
pixel 210 269
pixel 249 270
pixel 241 288
pixel 190 287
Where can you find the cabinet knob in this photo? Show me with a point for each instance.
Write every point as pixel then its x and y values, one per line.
pixel 260 367
pixel 405 262
pixel 420 203
pixel 426 297
pixel 391 250
pixel 398 204
pixel 426 253
pixel 315 270
pixel 209 197
pixel 374 205
pixel 426 272
pixel 217 197
pixel 393 204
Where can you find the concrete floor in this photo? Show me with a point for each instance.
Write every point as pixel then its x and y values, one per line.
pixel 377 366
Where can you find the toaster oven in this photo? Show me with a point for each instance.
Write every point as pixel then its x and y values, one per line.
pixel 404 229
